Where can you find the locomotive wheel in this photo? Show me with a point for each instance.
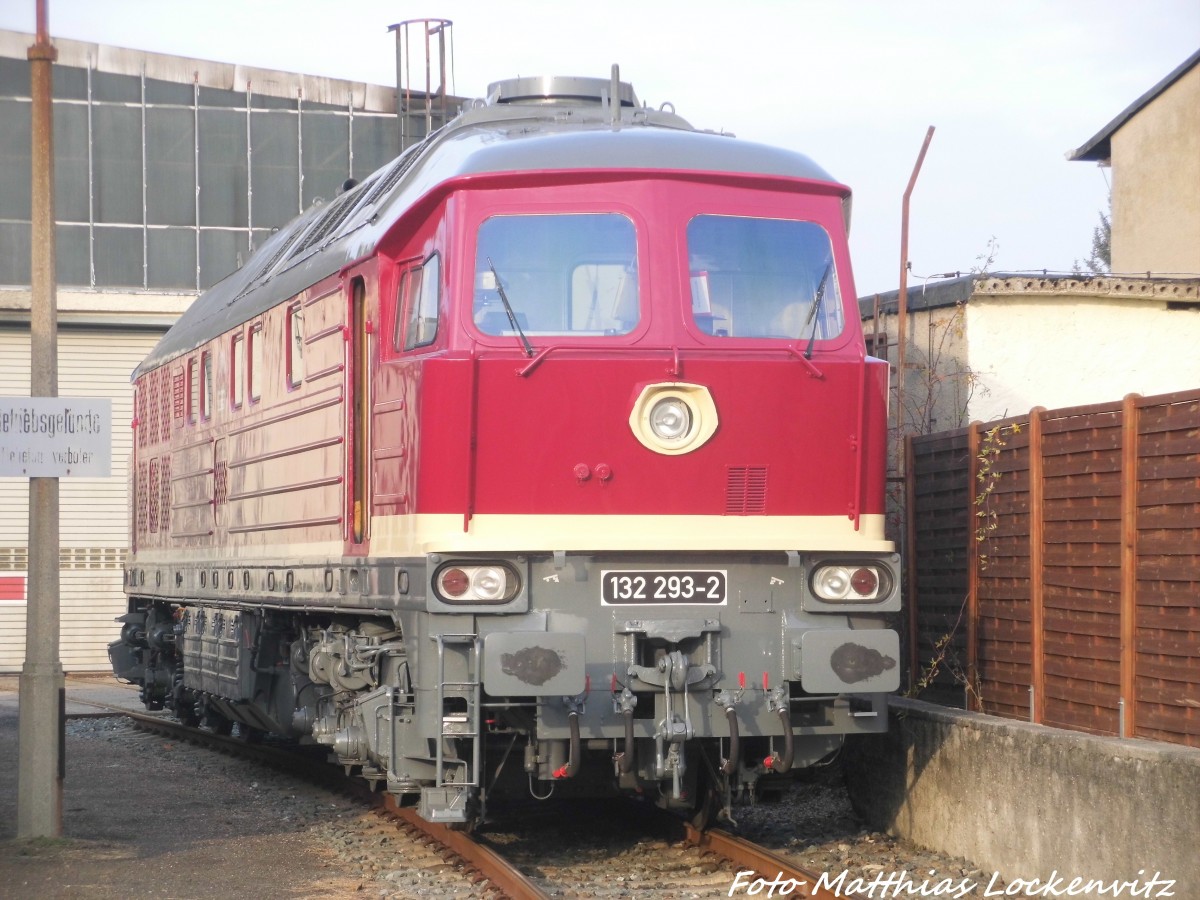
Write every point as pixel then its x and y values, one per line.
pixel 706 806
pixel 249 733
pixel 706 796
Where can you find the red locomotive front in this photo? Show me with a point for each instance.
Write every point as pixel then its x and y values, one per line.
pixel 559 432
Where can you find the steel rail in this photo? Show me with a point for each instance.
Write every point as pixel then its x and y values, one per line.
pixel 489 864
pixel 789 879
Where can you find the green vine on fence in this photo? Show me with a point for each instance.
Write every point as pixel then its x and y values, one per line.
pixel 986 476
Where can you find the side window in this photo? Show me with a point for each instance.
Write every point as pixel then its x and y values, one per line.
pixel 193 389
pixel 401 293
pixel 295 346
pixel 256 374
pixel 423 304
pixel 206 385
pixel 237 371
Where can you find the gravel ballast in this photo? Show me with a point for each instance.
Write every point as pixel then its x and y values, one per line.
pixel 145 816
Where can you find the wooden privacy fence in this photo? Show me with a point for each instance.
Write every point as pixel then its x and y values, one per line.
pixel 1054 567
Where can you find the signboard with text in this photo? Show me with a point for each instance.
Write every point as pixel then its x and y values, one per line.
pixel 55 437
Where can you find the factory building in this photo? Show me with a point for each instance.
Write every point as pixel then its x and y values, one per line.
pixel 169 172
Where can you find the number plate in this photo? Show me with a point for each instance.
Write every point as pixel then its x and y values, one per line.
pixel 630 587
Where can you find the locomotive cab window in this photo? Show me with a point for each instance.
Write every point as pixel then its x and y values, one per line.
pixel 557 275
pixel 763 278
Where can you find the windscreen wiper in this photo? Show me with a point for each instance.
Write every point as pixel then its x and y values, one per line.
pixel 512 317
pixel 814 311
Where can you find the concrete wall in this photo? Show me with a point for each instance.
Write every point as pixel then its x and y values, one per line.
pixel 1013 342
pixel 1156 184
pixel 1039 349
pixel 1027 801
pixel 938 384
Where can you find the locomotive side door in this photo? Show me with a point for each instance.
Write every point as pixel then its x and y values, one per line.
pixel 358 381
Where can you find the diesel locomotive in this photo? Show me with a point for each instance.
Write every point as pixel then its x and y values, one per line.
pixel 547 459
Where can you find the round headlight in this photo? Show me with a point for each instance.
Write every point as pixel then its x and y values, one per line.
pixel 670 419
pixel 489 583
pixel 832 583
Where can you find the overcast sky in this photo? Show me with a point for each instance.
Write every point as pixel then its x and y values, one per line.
pixel 1010 85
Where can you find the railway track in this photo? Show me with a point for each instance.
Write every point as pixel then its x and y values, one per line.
pixel 712 863
pixel 763 869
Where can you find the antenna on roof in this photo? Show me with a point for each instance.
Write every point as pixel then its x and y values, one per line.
pixel 614 97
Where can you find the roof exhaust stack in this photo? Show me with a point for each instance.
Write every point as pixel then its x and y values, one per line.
pixel 565 90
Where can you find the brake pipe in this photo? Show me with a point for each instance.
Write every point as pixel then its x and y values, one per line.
pixel 779 701
pixel 624 704
pixel 572 764
pixel 775 762
pixel 735 744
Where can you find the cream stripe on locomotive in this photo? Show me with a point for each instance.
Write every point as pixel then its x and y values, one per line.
pixel 405 536
pixel 442 533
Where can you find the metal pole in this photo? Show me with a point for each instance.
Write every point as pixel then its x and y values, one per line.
pixel 902 301
pixel 40 728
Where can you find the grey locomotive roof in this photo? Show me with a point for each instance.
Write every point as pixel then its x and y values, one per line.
pixel 489 137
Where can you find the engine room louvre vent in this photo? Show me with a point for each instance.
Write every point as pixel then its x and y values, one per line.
pixel 221 483
pixel 177 396
pixel 328 222
pixel 394 174
pixel 746 491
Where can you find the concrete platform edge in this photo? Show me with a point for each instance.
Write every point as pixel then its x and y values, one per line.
pixel 1028 801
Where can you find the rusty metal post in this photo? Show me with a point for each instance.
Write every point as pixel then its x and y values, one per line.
pixel 902 299
pixel 912 599
pixel 40 728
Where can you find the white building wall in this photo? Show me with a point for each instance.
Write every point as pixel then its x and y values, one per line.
pixel 1070 351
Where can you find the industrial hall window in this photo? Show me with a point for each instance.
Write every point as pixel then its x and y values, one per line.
pixel 171 186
